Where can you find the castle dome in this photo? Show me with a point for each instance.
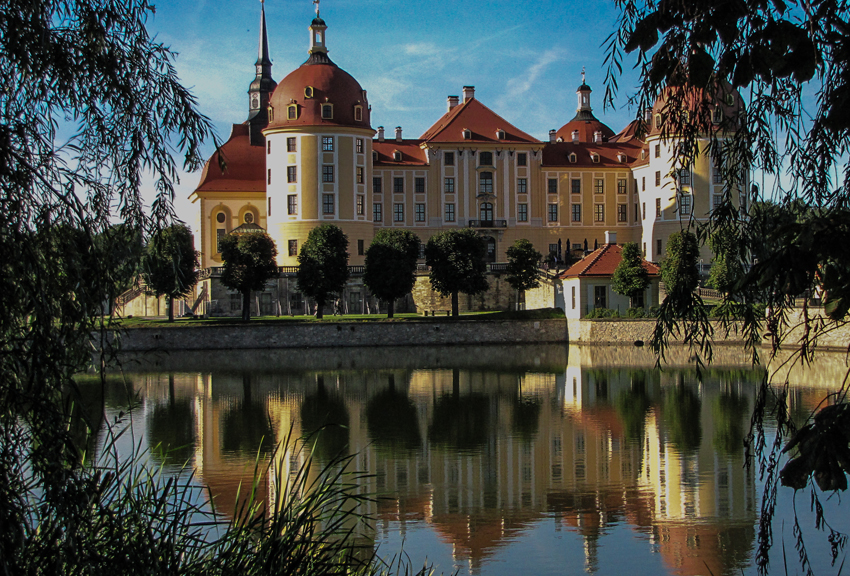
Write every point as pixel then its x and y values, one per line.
pixel 319 93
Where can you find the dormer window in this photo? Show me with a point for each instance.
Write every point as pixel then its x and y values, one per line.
pixel 327 111
pixel 485 159
pixel 397 155
pixel 467 134
pixel 730 100
pixel 292 112
pixel 621 158
pixel 594 158
pixel 573 158
pixel 308 92
pixel 658 121
pixel 271 113
pixel 643 154
pixel 717 115
pixel 500 134
pixel 575 136
pixel 358 113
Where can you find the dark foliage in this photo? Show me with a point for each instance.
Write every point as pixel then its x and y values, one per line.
pixel 323 264
pixel 391 265
pixel 456 258
pixel 249 261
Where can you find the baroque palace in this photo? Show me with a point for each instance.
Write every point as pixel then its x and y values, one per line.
pixel 308 155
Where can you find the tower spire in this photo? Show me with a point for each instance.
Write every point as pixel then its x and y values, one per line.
pixel 263 85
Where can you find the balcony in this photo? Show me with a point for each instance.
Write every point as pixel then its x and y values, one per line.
pixel 488 223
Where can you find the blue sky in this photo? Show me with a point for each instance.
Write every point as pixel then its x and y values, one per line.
pixel 524 58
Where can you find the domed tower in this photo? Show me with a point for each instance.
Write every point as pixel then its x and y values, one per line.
pixel 584 127
pixel 318 154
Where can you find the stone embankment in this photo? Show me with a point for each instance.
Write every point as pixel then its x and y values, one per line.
pixel 628 331
pixel 343 334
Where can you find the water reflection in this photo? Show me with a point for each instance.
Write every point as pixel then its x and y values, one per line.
pixel 481 455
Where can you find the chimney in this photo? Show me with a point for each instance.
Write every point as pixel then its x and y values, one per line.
pixel 453 101
pixel 468 93
pixel 380 133
pixel 551 136
pixel 575 136
pixel 610 237
pixel 398 133
pixel 597 136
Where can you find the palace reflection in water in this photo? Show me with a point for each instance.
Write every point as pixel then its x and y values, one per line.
pixel 479 449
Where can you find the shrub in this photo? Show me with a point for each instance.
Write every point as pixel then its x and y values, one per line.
pixel 603 313
pixel 636 312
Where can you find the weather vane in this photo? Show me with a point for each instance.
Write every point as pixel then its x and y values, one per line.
pixel 316 2
pixel 582 68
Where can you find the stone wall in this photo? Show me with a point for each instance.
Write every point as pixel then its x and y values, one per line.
pixel 626 331
pixel 342 334
pixel 499 296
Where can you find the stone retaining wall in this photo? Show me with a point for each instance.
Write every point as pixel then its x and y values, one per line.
pixel 343 334
pixel 626 331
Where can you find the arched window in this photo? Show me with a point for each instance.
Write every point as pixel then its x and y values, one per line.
pixel 485 183
pixel 485 212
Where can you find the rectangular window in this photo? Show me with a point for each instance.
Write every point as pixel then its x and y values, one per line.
pixel 360 248
pixel 293 247
pixel 576 186
pixel 327 143
pixel 600 297
pixel 522 159
pixel 449 159
pixel 553 186
pixel 359 145
pixel 622 213
pixel 376 185
pixel 327 111
pixel 553 212
pixel 658 150
pixel 658 207
pixel 361 204
pixel 268 147
pixel 599 186
pixel 327 173
pixel 327 203
pixel 658 249
pixel 576 212
pixel 269 176
pixel 219 234
pixel 292 112
pixel 360 174
pixel 291 145
pixel 522 212
pixel 658 178
pixel 522 186
pixel 485 183
pixel 684 176
pixel 716 200
pixel 485 159
pixel 292 174
pixel 573 293
pixel 599 212
pixel 235 302
pixel 685 204
pixel 449 186
pixel 292 204
pixel 398 185
pixel 419 212
pixel 398 212
pixel 450 212
pixel 717 178
pixel 642 183
pixel 377 212
pixel 553 249
pixel 621 186
pixel 643 211
pixel 419 185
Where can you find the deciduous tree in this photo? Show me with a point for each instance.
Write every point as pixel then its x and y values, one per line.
pixel 391 265
pixel 249 261
pixel 323 264
pixel 456 258
pixel 630 277
pixel 170 264
pixel 523 262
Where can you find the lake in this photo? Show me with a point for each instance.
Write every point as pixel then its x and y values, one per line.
pixel 500 460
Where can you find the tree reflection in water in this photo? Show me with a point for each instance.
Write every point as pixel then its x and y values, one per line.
pixel 632 405
pixel 680 411
pixel 525 416
pixel 392 420
pixel 729 411
pixel 171 428
pixel 461 423
pixel 325 417
pixel 246 428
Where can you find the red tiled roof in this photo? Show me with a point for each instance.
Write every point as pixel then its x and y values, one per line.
pixel 480 120
pixel 245 165
pixel 586 128
pixel 602 263
pixel 411 153
pixel 558 154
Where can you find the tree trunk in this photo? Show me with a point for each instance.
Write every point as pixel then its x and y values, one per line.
pixel 169 302
pixel 319 305
pixel 390 308
pixel 246 305
pixel 455 305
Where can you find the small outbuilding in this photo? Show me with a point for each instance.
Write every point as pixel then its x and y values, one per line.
pixel 586 284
